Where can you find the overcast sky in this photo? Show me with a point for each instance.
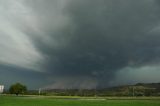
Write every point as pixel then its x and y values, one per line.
pixel 79 43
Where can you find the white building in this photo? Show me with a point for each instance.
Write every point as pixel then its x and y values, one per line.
pixel 1 88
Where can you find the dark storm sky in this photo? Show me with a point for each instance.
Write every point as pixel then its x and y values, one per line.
pixel 79 43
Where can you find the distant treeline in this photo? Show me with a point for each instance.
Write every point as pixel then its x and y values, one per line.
pixel 140 89
pixel 105 92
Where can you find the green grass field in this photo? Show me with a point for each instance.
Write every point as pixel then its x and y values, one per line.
pixel 70 101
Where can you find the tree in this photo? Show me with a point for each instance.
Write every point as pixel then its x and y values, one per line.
pixel 17 89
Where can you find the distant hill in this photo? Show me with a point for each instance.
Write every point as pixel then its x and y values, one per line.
pixel 149 85
pixel 139 89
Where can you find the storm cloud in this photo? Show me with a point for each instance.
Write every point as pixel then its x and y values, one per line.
pixel 81 43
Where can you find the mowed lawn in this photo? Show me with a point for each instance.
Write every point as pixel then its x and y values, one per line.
pixel 51 101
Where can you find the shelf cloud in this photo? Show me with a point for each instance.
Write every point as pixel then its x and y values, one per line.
pixel 80 43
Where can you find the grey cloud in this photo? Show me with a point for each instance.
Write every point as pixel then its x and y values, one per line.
pixel 91 39
pixel 101 38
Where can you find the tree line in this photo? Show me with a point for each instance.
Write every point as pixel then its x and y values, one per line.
pixel 135 90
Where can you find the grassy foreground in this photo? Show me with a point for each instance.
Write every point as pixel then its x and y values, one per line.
pixel 69 101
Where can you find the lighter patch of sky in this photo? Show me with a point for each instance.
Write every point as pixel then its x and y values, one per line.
pixel 132 75
pixel 15 46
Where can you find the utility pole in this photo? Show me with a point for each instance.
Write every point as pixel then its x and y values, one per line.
pixel 95 91
pixel 39 91
pixel 133 91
